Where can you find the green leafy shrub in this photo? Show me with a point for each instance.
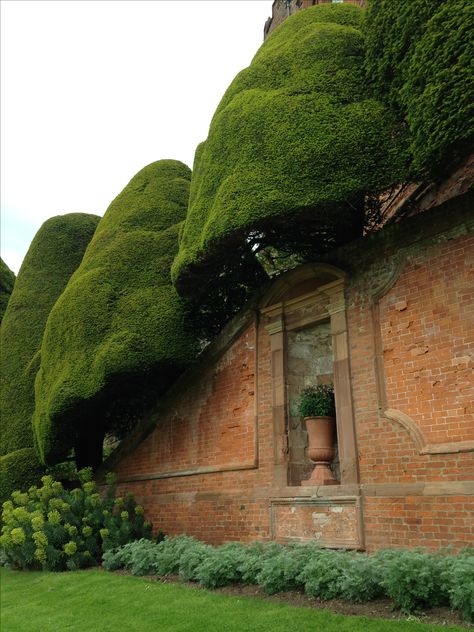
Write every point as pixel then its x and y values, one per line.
pixel 294 147
pixel 392 31
pixel 413 579
pixel 7 280
pixel 138 557
pixel 119 334
pixel 170 551
pixel 169 556
pixel 191 559
pixel 221 566
pixel 316 401
pixel 57 529
pixel 281 572
pixel 118 558
pixel 54 254
pixel 252 557
pixel 334 574
pixel 323 574
pixel 458 577
pixel 361 580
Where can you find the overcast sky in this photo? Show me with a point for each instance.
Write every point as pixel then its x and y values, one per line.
pixel 94 90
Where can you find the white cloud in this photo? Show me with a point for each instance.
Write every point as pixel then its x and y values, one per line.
pixel 94 91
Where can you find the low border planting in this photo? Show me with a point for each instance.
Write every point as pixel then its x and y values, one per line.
pixel 413 580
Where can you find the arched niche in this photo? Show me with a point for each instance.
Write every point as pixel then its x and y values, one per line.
pixel 304 305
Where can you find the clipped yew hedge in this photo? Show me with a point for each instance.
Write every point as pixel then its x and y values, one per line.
pixel 52 257
pixel 7 280
pixel 419 58
pixel 295 145
pixel 119 325
pixel 19 470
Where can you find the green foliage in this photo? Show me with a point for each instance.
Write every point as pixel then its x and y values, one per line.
pixel 170 551
pixel 19 470
pixel 458 576
pixel 138 557
pixel 252 558
pixel 438 94
pixel 220 567
pixel 54 254
pixel 7 280
pixel 57 529
pixel 392 31
pixel 413 579
pixel 52 257
pixel 293 148
pixel 322 575
pixel 119 332
pixel 172 555
pixel 419 58
pixel 281 572
pixel 341 575
pixel 191 559
pixel 361 580
pixel 317 401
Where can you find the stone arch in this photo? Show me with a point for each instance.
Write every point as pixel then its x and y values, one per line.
pixel 307 277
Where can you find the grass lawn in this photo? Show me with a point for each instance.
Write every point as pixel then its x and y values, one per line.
pixel 96 601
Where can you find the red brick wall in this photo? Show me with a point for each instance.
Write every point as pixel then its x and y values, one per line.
pixel 280 11
pixel 208 468
pixel 427 328
pixel 427 323
pixel 213 426
pixel 412 521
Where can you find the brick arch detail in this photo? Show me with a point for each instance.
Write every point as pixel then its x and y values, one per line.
pixel 418 437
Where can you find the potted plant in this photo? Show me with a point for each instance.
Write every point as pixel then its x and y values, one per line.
pixel 317 407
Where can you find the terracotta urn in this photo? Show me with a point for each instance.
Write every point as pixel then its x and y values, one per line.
pixel 321 432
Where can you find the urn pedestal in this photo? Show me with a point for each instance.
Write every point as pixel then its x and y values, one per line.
pixel 321 433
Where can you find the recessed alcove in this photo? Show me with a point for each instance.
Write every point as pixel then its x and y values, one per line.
pixel 309 362
pixel 305 314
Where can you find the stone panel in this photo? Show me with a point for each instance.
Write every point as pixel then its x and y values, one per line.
pixel 329 522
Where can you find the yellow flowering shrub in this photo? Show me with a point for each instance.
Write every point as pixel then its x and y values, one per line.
pixel 57 529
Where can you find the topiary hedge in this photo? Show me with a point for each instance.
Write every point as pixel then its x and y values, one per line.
pixel 294 147
pixel 54 254
pixel 19 470
pixel 419 58
pixel 119 328
pixel 7 280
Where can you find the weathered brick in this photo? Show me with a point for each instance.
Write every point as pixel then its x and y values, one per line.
pixel 208 467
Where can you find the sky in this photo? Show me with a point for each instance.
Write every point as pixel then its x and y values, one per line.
pixel 94 90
